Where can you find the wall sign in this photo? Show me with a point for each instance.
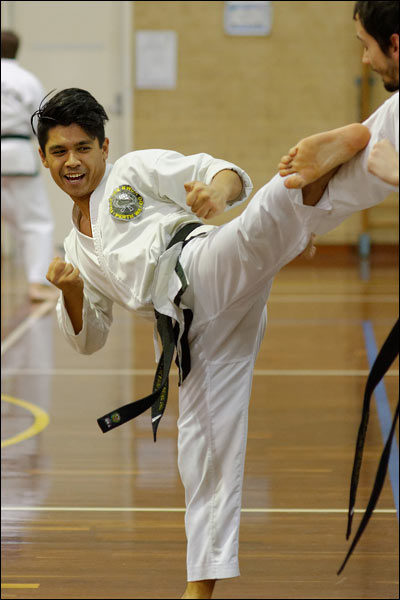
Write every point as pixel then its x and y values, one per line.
pixel 156 60
pixel 248 18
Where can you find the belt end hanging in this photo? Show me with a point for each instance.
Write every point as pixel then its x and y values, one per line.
pixel 349 522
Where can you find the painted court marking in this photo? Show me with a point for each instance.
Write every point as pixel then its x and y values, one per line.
pixel 21 586
pixel 344 298
pixel 384 414
pixel 175 510
pixel 41 420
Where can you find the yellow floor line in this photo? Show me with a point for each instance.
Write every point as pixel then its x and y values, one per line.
pixel 34 528
pixel 33 586
pixel 41 420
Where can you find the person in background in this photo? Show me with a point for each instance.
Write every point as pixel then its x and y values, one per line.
pixel 24 202
pixel 377 28
pixel 370 176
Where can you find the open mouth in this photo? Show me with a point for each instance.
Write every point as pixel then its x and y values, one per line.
pixel 74 177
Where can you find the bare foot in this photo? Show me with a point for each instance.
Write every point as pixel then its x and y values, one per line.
pixel 199 589
pixel 314 156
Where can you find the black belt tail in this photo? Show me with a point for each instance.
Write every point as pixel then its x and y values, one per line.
pixel 385 358
pixel 168 332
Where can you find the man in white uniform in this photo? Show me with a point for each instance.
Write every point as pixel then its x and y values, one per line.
pixel 124 217
pixel 24 202
pixel 377 28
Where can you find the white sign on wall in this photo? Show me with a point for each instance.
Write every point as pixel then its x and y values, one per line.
pixel 246 17
pixel 156 60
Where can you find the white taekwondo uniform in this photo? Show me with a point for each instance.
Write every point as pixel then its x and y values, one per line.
pixel 230 271
pixel 24 201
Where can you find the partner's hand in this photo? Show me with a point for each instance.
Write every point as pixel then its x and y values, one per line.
pixel 383 162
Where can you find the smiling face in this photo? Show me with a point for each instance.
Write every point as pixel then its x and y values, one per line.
pixel 386 65
pixel 76 161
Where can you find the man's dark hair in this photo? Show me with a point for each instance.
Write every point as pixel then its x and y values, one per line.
pixel 9 44
pixel 71 106
pixel 380 18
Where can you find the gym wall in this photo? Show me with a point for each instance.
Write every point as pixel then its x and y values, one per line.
pixel 250 99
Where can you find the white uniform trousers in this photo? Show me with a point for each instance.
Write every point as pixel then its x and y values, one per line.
pixel 230 273
pixel 25 205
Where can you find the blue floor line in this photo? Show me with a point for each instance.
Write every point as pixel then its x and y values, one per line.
pixel 384 414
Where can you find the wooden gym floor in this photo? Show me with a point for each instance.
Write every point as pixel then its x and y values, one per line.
pixel 87 515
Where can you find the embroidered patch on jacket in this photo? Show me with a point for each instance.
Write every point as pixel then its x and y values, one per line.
pixel 125 203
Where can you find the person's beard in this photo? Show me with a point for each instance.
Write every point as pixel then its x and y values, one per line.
pixel 391 86
pixel 392 75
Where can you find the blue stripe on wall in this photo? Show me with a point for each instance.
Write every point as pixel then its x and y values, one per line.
pixel 384 414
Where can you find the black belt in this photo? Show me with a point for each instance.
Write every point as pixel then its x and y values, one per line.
pixel 10 136
pixel 169 334
pixel 385 358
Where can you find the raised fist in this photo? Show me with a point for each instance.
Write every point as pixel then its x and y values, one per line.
pixel 64 275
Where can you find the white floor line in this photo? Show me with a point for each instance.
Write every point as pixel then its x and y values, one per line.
pixel 344 298
pixel 18 332
pixel 166 510
pixel 150 372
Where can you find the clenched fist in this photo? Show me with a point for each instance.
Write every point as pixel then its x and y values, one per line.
pixel 204 200
pixel 64 276
pixel 68 280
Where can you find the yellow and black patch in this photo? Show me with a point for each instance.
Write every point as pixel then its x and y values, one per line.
pixel 125 204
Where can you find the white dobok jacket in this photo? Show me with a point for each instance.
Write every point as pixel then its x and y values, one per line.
pixel 124 261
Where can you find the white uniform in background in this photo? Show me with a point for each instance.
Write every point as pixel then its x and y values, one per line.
pixel 24 201
pixel 230 271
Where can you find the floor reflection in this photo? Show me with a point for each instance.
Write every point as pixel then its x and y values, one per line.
pixel 22 461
